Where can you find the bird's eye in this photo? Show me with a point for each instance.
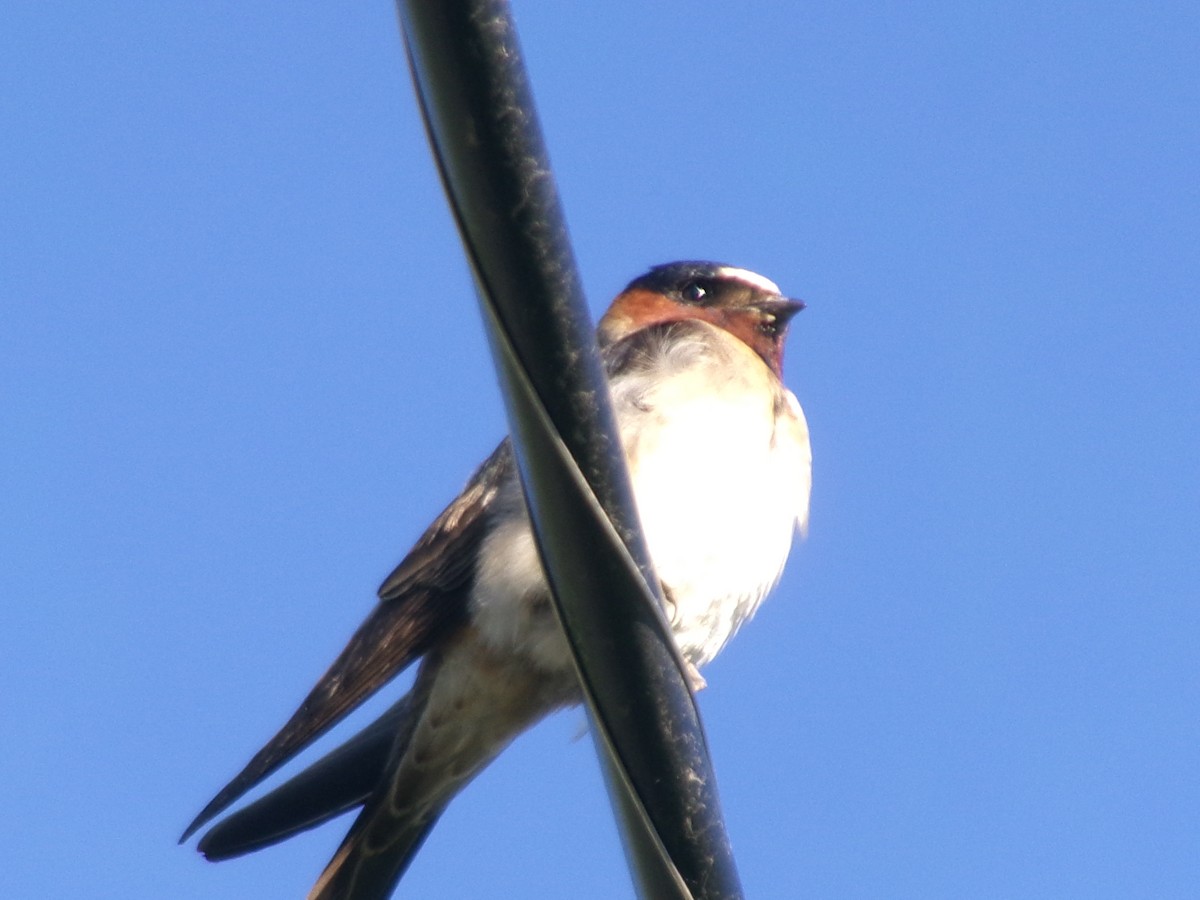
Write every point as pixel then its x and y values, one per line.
pixel 693 292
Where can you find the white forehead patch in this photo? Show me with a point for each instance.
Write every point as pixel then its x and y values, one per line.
pixel 751 278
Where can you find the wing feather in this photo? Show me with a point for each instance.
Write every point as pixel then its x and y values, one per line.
pixel 421 602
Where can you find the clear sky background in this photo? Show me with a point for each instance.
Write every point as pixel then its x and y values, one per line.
pixel 241 368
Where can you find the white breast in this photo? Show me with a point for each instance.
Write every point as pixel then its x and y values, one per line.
pixel 721 467
pixel 719 456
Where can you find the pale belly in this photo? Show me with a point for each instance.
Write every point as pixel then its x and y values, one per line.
pixel 720 491
pixel 721 486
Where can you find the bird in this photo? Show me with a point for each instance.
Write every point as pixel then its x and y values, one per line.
pixel 721 467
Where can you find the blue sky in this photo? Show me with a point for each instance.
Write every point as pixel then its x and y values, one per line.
pixel 241 368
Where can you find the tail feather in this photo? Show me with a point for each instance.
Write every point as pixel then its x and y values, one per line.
pixel 476 704
pixel 363 871
pixel 339 781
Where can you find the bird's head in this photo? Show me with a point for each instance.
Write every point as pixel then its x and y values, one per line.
pixel 746 305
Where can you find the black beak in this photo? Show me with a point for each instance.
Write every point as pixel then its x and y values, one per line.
pixel 782 308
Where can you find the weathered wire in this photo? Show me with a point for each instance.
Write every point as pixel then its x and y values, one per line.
pixel 483 128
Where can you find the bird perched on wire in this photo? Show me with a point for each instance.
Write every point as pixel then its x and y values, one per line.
pixel 719 457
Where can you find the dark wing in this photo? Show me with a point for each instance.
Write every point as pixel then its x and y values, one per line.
pixel 423 600
pixel 445 554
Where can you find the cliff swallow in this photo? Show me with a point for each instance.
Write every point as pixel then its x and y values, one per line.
pixel 719 457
